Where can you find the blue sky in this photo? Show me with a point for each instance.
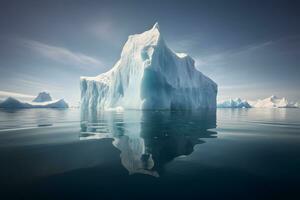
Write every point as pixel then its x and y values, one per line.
pixel 250 48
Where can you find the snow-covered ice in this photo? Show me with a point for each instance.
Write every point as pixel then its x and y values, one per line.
pixel 273 102
pixel 270 102
pixel 149 75
pixel 233 103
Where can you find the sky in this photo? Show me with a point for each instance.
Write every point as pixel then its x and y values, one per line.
pixel 251 49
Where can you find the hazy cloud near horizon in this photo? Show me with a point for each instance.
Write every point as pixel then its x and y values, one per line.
pixel 5 94
pixel 63 55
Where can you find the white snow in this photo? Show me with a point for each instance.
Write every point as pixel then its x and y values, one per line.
pixel 233 103
pixel 149 76
pixel 273 102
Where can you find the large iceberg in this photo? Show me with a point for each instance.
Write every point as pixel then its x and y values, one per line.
pixel 233 103
pixel 41 101
pixel 149 75
pixel 273 102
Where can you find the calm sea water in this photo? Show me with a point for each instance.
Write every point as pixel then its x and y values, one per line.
pixel 227 154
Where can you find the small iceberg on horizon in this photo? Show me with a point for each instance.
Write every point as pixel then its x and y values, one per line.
pixel 269 102
pixel 43 100
pixel 273 102
pixel 234 103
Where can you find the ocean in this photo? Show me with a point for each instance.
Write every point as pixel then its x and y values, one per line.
pixel 208 154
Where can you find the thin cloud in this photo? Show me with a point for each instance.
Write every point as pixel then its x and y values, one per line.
pixel 186 43
pixel 40 85
pixel 29 84
pixel 238 86
pixel 63 55
pixel 5 94
pixel 217 58
pixel 34 82
pixel 103 30
pixel 221 57
pixel 106 32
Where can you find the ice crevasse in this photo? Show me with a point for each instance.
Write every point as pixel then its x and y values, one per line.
pixel 149 75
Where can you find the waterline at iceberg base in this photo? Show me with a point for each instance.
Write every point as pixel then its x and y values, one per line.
pixel 149 75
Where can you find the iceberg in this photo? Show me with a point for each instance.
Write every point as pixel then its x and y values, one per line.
pixel 234 103
pixel 149 75
pixel 39 102
pixel 273 102
pixel 270 102
pixel 60 103
pixel 11 102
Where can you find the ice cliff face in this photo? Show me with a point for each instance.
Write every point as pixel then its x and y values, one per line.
pixel 234 103
pixel 149 75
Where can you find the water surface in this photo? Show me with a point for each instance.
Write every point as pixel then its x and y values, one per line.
pixel 230 153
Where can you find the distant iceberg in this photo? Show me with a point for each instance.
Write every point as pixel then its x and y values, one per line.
pixel 149 75
pixel 42 97
pixel 270 102
pixel 273 102
pixel 41 101
pixel 234 103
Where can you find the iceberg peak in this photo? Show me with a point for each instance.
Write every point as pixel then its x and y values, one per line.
pixel 155 26
pixel 42 97
pixel 273 97
pixel 138 45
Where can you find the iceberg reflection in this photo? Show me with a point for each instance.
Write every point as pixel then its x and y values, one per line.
pixel 150 139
